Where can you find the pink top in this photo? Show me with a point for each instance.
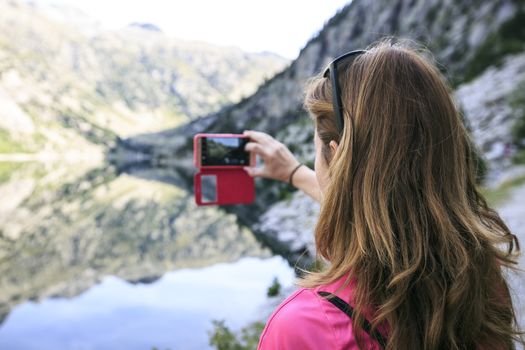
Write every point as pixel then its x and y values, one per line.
pixel 307 321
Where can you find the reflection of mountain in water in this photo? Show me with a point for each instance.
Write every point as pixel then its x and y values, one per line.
pixel 63 231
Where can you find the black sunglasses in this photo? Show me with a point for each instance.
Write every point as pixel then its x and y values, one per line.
pixel 331 72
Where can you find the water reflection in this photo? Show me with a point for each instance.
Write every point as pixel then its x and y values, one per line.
pixel 174 312
pixel 65 230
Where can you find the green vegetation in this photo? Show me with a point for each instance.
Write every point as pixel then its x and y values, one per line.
pixel 509 39
pixel 79 121
pixel 481 167
pixel 7 169
pixel 285 191
pixel 517 103
pixel 316 266
pixel 274 289
pixel 222 338
pixel 498 195
pixel 519 157
pixel 8 145
pixel 431 15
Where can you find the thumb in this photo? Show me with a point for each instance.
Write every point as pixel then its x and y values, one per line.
pixel 253 171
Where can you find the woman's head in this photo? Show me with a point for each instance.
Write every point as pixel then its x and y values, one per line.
pixel 400 108
pixel 401 210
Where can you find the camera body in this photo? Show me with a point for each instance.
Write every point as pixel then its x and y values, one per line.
pixel 221 179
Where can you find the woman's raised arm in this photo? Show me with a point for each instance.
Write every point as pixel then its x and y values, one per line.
pixel 279 163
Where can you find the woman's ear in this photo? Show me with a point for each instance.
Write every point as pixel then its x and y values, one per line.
pixel 333 146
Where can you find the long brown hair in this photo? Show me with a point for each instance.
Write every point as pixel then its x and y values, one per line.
pixel 402 213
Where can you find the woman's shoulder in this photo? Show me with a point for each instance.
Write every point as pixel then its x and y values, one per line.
pixel 299 322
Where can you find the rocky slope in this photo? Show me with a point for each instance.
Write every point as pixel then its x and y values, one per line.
pixel 512 212
pixel 479 47
pixel 61 88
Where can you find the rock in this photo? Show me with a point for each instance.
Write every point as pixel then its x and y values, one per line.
pixel 513 214
pixel 291 222
pixel 485 102
pixel 13 118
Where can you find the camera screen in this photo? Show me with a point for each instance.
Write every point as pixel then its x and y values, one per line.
pixel 224 151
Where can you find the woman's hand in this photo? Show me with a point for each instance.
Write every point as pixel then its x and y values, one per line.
pixel 279 162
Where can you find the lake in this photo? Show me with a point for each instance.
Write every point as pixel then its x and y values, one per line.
pixel 92 258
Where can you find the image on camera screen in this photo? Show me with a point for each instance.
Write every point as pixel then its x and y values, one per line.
pixel 224 151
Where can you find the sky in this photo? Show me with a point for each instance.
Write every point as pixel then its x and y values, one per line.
pixel 279 26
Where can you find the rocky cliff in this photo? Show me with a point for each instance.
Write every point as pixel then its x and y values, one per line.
pixel 480 47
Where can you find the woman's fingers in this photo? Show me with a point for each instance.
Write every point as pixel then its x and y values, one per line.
pixel 253 171
pixel 257 148
pixel 278 160
pixel 257 136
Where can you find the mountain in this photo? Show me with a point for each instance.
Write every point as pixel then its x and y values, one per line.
pixel 479 46
pixel 61 88
pixel 147 26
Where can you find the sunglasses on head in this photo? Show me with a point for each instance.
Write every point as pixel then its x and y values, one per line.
pixel 331 72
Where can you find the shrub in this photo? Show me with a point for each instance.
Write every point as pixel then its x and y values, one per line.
pixel 517 103
pixel 8 145
pixel 275 288
pixel 222 338
pixel 508 39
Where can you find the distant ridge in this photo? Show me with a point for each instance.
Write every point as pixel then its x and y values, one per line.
pixel 146 26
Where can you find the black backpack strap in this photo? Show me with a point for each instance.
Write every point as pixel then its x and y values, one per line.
pixel 347 309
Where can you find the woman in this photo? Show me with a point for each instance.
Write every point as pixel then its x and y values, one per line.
pixel 410 244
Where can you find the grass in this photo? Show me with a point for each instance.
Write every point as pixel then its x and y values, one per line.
pixel 519 157
pixel 517 103
pixel 8 145
pixel 498 196
pixel 7 169
pixel 222 338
